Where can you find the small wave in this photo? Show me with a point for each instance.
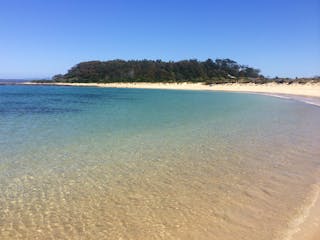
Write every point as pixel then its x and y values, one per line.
pixel 294 226
pixel 307 100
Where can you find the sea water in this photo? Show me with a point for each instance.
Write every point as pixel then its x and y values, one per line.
pixel 99 163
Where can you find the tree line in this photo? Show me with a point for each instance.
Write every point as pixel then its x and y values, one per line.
pixel 218 71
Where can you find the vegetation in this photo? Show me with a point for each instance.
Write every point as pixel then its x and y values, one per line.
pixel 209 71
pixel 304 80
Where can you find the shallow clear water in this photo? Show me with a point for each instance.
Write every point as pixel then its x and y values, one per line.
pixel 98 163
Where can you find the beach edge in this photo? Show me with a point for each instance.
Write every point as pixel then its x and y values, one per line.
pixel 308 93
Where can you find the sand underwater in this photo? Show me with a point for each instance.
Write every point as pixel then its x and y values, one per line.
pixel 104 163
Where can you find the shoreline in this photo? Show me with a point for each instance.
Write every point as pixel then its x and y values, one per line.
pixel 306 226
pixel 308 93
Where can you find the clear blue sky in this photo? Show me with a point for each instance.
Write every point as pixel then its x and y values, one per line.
pixel 40 38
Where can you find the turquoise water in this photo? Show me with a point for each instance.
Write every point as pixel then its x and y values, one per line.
pixel 99 163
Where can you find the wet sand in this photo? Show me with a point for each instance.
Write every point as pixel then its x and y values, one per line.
pixel 308 225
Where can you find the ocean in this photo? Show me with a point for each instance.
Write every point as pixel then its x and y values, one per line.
pixel 107 163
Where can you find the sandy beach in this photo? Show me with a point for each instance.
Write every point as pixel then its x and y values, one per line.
pixel 308 90
pixel 308 225
pixel 308 93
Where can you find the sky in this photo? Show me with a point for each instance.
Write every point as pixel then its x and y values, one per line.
pixel 39 39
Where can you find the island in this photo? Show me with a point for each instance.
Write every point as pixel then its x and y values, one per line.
pixel 216 75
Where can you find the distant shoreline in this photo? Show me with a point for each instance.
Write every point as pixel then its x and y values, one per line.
pixel 308 93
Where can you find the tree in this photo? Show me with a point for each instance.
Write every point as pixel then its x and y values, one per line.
pixel 157 71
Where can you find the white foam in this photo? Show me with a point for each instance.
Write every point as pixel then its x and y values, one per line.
pixel 307 100
pixel 294 226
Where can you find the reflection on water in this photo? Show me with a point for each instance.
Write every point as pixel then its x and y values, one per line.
pixel 168 165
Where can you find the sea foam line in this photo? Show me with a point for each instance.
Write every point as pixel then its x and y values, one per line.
pixel 294 226
pixel 293 97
